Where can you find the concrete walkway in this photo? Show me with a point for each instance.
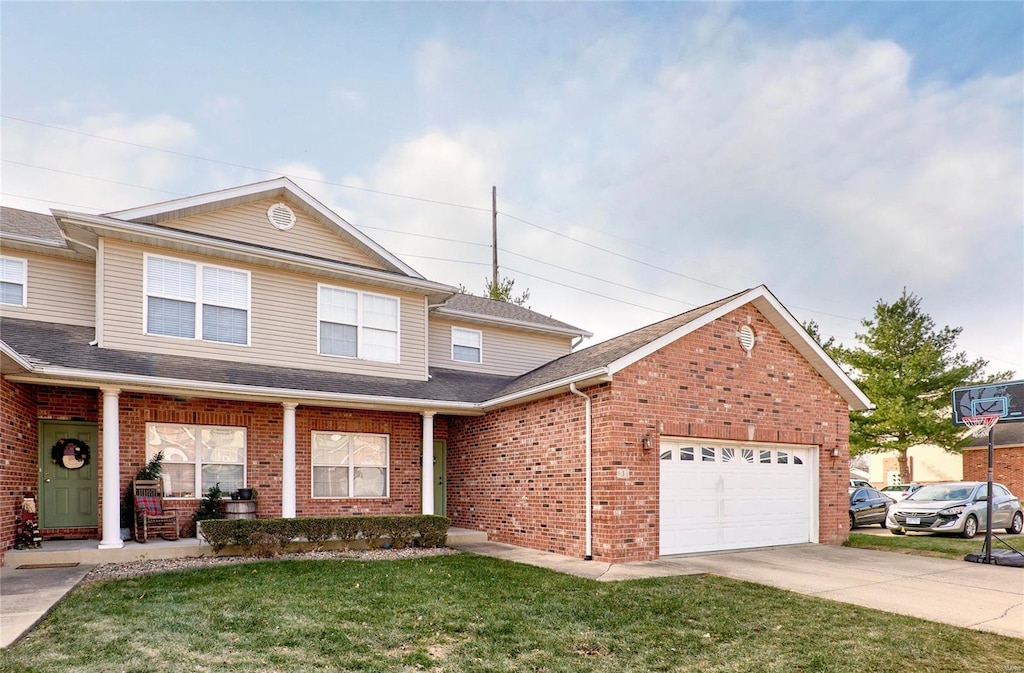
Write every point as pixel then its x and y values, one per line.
pixel 28 594
pixel 970 595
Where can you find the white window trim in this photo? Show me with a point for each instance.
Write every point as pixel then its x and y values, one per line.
pixel 359 324
pixel 197 336
pixel 24 280
pixel 198 462
pixel 479 333
pixel 351 468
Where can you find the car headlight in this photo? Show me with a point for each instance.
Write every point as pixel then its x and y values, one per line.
pixel 953 511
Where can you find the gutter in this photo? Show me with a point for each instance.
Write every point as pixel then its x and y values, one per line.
pixel 589 536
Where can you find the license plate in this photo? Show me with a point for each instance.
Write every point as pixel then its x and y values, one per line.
pixel 914 520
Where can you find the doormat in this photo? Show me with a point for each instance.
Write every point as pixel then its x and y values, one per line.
pixel 39 566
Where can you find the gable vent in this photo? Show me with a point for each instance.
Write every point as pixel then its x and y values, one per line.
pixel 281 216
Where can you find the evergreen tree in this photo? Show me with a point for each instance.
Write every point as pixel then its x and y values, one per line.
pixel 908 369
pixel 503 291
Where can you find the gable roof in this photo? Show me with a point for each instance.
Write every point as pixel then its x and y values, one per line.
pixel 602 361
pixel 491 311
pixel 278 187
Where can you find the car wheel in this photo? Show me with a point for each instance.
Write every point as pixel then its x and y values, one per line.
pixel 853 521
pixel 897 531
pixel 970 527
pixel 1016 525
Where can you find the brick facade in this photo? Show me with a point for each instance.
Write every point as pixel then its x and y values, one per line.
pixel 19 465
pixel 517 473
pixel 1007 467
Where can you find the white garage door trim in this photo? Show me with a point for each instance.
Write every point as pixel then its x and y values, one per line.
pixel 717 495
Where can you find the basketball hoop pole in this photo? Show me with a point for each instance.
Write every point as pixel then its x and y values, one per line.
pixel 988 505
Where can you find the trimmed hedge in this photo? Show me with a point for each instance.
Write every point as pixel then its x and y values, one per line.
pixel 271 536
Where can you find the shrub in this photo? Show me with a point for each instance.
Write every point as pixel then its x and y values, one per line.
pixel 269 537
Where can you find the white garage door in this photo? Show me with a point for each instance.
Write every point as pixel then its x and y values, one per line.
pixel 717 495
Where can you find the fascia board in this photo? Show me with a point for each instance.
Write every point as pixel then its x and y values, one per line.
pixel 780 317
pixel 598 375
pixel 266 189
pixel 190 388
pixel 16 356
pixel 100 223
pixel 509 322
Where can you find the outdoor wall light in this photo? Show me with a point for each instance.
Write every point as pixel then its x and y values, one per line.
pixel 645 442
pixel 835 452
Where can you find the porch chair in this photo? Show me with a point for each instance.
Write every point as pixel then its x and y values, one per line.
pixel 151 518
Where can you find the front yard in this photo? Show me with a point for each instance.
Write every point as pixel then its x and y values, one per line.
pixel 470 613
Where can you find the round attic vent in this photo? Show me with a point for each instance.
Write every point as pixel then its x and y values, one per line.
pixel 747 338
pixel 281 216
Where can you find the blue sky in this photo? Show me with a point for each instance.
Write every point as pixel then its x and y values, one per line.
pixel 663 154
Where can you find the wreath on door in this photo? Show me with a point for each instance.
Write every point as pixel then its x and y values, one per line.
pixel 70 453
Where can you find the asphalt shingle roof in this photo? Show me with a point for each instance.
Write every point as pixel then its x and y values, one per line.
pixel 26 223
pixel 68 346
pixel 1003 434
pixel 484 306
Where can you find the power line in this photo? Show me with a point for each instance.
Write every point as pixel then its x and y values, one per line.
pixel 91 177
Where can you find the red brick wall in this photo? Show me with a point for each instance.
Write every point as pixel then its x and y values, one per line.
pixel 19 441
pixel 517 473
pixel 1007 467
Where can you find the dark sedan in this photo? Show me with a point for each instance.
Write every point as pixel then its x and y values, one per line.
pixel 868 506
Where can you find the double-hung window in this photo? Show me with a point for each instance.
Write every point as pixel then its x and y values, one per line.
pixel 349 465
pixel 181 296
pixel 198 457
pixel 358 324
pixel 467 345
pixel 13 281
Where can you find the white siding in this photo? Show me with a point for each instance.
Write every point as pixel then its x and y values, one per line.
pixel 59 290
pixel 283 319
pixel 505 351
pixel 249 223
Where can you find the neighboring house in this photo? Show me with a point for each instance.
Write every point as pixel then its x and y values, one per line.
pixel 1008 457
pixel 260 340
pixel 928 463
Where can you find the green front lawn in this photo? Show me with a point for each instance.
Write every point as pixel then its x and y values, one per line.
pixel 929 545
pixel 469 613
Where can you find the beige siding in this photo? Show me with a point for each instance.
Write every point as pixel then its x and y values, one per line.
pixel 283 319
pixel 505 351
pixel 59 290
pixel 249 223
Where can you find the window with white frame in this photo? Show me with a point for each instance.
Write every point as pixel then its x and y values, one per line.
pixel 13 281
pixel 358 324
pixel 349 465
pixel 467 345
pixel 198 457
pixel 181 295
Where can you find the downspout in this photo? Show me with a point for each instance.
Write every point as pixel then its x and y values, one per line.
pixel 590 486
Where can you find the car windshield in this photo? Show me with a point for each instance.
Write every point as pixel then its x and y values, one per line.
pixel 942 492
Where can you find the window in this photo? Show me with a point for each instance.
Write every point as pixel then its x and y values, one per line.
pixel 197 457
pixel 180 295
pixel 467 345
pixel 13 281
pixel 347 465
pixel 358 324
pixel 707 454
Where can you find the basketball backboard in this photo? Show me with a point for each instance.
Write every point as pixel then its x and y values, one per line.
pixel 1005 399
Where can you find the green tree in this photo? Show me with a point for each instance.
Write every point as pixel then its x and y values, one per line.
pixel 503 291
pixel 907 368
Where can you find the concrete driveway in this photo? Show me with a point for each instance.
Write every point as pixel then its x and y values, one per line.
pixel 971 595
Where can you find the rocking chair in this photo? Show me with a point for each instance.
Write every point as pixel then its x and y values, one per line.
pixel 151 519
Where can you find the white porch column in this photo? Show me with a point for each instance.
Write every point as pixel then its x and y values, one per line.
pixel 111 471
pixel 428 462
pixel 288 467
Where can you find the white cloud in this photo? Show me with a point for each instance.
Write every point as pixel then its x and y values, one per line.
pixel 222 107
pixel 435 61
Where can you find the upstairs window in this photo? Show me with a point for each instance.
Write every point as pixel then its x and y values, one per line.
pixel 13 281
pixel 467 345
pixel 181 295
pixel 358 324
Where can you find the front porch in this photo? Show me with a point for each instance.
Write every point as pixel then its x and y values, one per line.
pixel 86 552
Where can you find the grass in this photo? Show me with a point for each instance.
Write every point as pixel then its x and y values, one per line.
pixel 469 613
pixel 929 545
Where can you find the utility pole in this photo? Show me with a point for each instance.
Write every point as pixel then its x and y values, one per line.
pixel 494 238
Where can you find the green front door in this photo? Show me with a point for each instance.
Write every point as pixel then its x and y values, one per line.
pixel 67 498
pixel 440 477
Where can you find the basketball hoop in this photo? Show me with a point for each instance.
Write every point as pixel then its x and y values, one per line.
pixel 980 425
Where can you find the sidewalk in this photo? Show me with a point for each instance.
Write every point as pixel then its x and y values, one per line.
pixel 28 594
